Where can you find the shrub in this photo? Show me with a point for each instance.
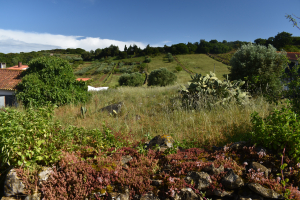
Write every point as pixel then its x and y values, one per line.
pixel 161 77
pixel 178 68
pixel 281 129
pixel 147 60
pixel 50 79
pixel 260 66
pixel 207 91
pixel 134 79
pixel 31 137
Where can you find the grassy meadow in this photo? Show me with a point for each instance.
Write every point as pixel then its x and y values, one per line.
pixel 157 111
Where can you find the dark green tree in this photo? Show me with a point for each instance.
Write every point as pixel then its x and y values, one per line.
pixel 260 66
pixel 50 79
pixel 282 39
pixel 161 77
pixel 133 79
pixel 125 48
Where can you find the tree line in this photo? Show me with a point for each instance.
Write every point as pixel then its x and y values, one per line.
pixel 281 40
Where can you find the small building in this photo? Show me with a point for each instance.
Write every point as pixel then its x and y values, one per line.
pixel 2 65
pixel 83 79
pixel 9 79
pixel 18 67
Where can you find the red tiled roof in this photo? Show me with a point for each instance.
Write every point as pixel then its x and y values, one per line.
pixel 292 55
pixel 9 79
pixel 16 67
pixel 83 79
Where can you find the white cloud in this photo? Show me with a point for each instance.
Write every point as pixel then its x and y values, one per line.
pixel 12 41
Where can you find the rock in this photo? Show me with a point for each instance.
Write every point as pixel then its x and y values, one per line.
pixel 44 174
pixel 260 168
pixel 13 185
pixel 113 108
pixel 265 192
pixel 212 170
pixel 126 159
pixel 36 196
pixel 162 141
pixel 232 181
pixel 189 194
pixel 201 179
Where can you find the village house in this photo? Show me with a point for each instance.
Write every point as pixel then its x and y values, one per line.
pixel 9 79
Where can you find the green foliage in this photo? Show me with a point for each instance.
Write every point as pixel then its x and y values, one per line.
pixel 134 79
pixel 147 60
pixel 281 129
pixel 178 68
pixel 50 79
pixel 161 77
pixel 262 68
pixel 31 137
pixel 208 91
pixel 86 69
pixel 292 81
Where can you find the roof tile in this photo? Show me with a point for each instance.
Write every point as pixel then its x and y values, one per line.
pixel 9 79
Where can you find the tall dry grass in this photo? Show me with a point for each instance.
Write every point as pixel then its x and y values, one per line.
pixel 158 110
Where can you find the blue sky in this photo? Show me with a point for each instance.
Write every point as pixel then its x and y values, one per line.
pixel 32 25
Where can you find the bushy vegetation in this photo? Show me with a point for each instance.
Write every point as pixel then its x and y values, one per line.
pixel 50 79
pixel 261 67
pixel 32 138
pixel 134 79
pixel 161 77
pixel 208 91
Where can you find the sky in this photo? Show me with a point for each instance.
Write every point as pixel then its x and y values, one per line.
pixel 34 25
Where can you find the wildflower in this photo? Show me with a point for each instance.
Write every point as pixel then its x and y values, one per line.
pixel 278 179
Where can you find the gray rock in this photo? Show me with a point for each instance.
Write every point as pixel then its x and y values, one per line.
pixel 201 179
pixel 44 174
pixel 189 194
pixel 259 168
pixel 213 170
pixel 265 192
pixel 36 196
pixel 113 108
pixel 162 141
pixel 232 181
pixel 13 185
pixel 125 159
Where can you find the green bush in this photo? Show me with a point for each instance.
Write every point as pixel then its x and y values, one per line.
pixel 134 79
pixel 207 91
pixel 31 137
pixel 178 68
pixel 281 129
pixel 50 79
pixel 161 77
pixel 147 60
pixel 260 66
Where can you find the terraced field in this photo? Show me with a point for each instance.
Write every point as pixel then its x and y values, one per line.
pixel 107 73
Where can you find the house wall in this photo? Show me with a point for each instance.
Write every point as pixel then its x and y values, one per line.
pixel 10 98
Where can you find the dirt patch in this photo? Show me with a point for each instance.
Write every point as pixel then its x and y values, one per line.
pixel 103 77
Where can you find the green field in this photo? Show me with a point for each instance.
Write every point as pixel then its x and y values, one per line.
pixel 198 63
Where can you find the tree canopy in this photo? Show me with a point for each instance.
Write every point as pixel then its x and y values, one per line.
pixel 50 79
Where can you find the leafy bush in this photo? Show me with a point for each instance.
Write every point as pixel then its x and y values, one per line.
pixel 50 79
pixel 281 129
pixel 178 68
pixel 147 60
pixel 260 66
pixel 31 137
pixel 207 91
pixel 134 79
pixel 161 77
pixel 128 70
